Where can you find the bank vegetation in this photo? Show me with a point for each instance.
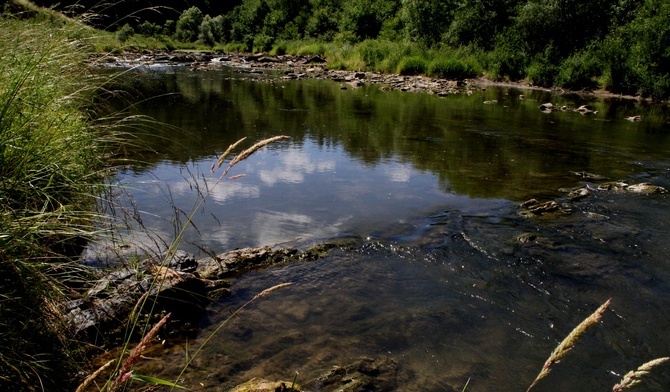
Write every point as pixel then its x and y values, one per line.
pixel 620 45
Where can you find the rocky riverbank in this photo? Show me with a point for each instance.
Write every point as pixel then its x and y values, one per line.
pixel 314 66
pixel 289 67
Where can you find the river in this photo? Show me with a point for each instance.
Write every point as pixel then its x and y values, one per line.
pixel 448 278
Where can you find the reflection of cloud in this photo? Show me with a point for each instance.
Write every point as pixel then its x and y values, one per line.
pixel 222 191
pixel 398 173
pixel 295 164
pixel 274 227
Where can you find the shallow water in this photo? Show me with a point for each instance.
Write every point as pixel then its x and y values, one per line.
pixel 438 284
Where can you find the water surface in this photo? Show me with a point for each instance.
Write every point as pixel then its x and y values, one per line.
pixel 438 283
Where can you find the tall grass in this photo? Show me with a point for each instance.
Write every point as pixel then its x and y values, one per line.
pixel 49 168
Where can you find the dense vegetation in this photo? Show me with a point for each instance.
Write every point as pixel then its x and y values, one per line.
pixel 618 45
pixel 49 167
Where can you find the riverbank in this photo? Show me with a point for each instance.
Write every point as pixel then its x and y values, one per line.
pixel 296 67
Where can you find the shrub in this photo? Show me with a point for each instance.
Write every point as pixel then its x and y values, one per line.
pixel 263 43
pixel 412 66
pixel 125 32
pixel 579 71
pixel 279 49
pixel 452 69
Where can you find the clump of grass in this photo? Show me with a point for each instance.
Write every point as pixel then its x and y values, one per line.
pixel 450 68
pixel 50 168
pixel 412 66
pixel 569 342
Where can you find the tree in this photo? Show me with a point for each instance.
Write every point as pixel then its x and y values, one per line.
pixel 210 30
pixel 427 20
pixel 479 21
pixel 188 25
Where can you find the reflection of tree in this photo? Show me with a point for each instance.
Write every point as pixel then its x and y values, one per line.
pixel 507 150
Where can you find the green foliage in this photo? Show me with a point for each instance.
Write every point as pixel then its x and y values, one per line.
pixel 476 22
pixel 49 157
pixel 322 23
pixel 210 30
pixel 362 19
pixel 149 29
pixel 567 25
pixel 125 32
pixel 426 20
pixel 412 66
pixel 620 44
pixel 578 71
pixel 188 25
pixel 263 43
pixel 508 58
pixel 453 68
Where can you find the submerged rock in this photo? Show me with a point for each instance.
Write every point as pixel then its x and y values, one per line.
pixel 366 374
pixel 260 385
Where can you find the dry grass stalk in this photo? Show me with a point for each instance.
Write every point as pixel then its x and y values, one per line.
pixel 246 153
pixel 82 387
pixel 125 371
pixel 566 345
pixel 230 149
pixel 634 377
pixel 271 289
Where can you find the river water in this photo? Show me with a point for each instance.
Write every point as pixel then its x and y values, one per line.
pixel 447 280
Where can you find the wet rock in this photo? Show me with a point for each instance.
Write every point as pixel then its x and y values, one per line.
pixel 645 188
pixel 579 194
pixel 526 238
pixel 490 102
pixel 236 262
pixel 107 305
pixel 182 58
pixel 366 374
pixel 586 109
pixel 589 176
pixel 634 118
pixel 266 59
pixel 315 60
pixel 533 207
pixel 547 107
pixel 260 385
pixel 181 261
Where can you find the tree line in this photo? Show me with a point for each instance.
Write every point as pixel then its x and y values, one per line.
pixel 619 45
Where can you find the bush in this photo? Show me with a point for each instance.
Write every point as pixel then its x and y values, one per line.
pixel 452 69
pixel 579 71
pixel 236 47
pixel 373 52
pixel 125 32
pixel 412 66
pixel 149 29
pixel 263 43
pixel 508 58
pixel 279 49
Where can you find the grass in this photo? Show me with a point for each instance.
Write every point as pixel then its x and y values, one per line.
pixel 49 176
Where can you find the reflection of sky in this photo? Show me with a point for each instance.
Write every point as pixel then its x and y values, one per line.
pixel 294 165
pixel 289 192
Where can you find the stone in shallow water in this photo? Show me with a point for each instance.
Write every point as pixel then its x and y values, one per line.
pixel 260 385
